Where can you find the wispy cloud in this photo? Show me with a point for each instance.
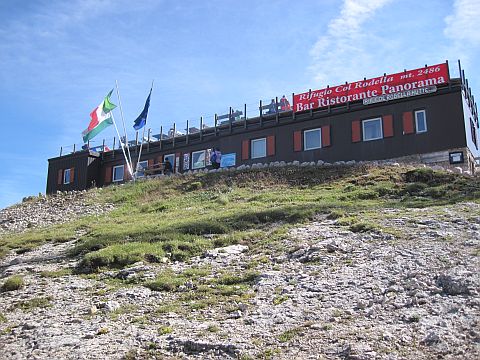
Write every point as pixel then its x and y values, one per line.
pixel 462 29
pixel 338 54
pixel 462 25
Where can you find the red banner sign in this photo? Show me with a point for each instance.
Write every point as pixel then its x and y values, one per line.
pixel 384 85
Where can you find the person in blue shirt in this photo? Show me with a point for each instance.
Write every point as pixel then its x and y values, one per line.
pixel 216 158
pixel 272 107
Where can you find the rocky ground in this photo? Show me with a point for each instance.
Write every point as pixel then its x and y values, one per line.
pixel 44 211
pixel 409 293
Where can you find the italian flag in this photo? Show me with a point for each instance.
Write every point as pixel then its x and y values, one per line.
pixel 100 118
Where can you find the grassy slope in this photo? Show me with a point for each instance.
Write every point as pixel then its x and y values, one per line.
pixel 181 217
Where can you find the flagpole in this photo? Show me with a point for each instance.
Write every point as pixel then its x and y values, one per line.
pixel 143 135
pixel 124 129
pixel 141 145
pixel 122 146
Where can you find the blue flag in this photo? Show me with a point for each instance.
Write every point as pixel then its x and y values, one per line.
pixel 142 118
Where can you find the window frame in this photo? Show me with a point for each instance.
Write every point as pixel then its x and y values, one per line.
pixel 305 139
pixel 204 159
pixel 66 179
pixel 415 112
pixel 113 173
pixel 144 167
pixel 380 120
pixel 252 141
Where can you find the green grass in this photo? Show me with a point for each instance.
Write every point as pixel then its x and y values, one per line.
pixel 29 305
pixel 164 330
pixel 181 217
pixel 3 318
pixel 56 273
pixel 277 300
pixel 213 328
pixel 290 334
pixel 204 289
pixel 13 283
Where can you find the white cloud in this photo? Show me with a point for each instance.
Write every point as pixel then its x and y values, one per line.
pixel 462 33
pixel 338 54
pixel 462 25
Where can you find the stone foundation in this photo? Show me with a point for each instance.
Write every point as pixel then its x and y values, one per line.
pixel 442 158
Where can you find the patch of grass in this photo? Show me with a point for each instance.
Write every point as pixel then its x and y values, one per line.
pixel 213 328
pixel 179 217
pixel 7 330
pixel 29 305
pixel 362 227
pixel 124 309
pixel 167 281
pixel 289 334
pixel 236 279
pixel 3 319
pixel 103 331
pixel 164 330
pixel 336 214
pixel 415 318
pixel 277 300
pixel 13 283
pixel 56 273
pixel 168 308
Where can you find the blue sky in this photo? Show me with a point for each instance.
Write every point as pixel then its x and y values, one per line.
pixel 58 59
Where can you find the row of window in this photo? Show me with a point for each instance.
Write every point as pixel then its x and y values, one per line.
pixel 371 129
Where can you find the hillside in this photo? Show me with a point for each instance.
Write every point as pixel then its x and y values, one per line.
pixel 316 262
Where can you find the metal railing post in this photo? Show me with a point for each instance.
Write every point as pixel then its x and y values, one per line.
pixel 245 116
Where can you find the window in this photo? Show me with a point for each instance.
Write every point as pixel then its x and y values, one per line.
pixel 420 121
pixel 259 148
pixel 372 129
pixel 473 132
pixel 142 165
pixel 66 176
pixel 198 159
pixel 312 139
pixel 118 173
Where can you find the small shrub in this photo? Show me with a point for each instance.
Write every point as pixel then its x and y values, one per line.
pixel 13 283
pixel 2 318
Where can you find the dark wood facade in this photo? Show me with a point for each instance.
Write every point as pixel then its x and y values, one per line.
pixel 341 137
